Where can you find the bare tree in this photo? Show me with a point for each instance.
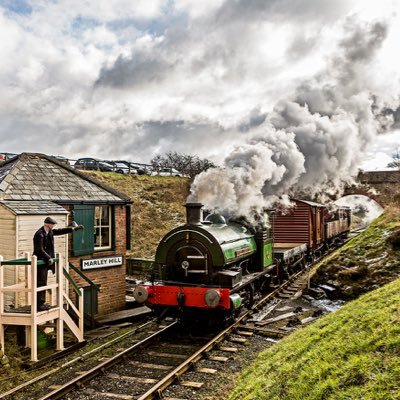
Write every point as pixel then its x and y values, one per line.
pixel 186 164
pixel 395 163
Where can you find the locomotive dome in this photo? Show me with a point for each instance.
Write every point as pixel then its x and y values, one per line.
pixel 216 218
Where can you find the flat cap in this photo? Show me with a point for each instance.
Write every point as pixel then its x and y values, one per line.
pixel 50 220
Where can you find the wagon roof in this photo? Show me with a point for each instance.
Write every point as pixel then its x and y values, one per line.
pixel 33 176
pixel 311 203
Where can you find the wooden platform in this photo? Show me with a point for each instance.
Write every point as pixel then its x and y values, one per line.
pixel 24 310
pixel 119 316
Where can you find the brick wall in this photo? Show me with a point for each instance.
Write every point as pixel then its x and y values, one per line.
pixel 385 185
pixel 112 280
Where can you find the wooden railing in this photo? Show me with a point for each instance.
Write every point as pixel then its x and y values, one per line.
pixel 25 308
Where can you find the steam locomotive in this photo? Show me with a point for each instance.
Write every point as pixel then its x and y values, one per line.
pixel 211 265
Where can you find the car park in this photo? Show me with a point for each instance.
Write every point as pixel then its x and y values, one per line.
pixel 120 167
pixel 93 164
pixel 167 172
pixel 133 168
pixel 7 156
pixel 138 170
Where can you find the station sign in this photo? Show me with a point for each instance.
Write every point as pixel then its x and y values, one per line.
pixel 101 262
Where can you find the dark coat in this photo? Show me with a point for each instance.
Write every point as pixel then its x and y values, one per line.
pixel 43 244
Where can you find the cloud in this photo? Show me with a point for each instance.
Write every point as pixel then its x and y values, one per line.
pixel 309 145
pixel 201 77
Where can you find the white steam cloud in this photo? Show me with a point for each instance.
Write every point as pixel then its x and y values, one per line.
pixel 364 209
pixel 311 144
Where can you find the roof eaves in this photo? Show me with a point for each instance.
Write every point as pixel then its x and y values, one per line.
pixel 107 188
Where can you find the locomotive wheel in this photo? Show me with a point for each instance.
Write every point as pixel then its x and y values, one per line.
pixel 249 296
pixel 265 283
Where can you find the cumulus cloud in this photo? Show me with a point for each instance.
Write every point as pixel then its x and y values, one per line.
pixel 197 77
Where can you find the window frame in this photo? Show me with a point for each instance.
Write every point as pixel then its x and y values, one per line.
pixel 110 226
pixel 83 241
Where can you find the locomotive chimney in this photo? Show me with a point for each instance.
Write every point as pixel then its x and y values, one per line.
pixel 194 213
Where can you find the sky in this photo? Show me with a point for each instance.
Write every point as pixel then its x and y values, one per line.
pixel 288 97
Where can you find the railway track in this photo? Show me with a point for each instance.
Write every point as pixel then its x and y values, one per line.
pixel 147 368
pixel 167 359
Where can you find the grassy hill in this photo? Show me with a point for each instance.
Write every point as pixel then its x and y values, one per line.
pixel 350 354
pixel 157 206
pixel 354 352
pixel 366 262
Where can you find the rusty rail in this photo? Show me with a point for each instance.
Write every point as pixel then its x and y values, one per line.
pixel 156 391
pixel 100 368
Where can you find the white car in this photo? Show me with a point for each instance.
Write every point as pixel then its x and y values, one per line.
pixel 122 168
pixel 167 172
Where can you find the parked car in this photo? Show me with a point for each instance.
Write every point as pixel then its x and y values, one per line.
pixel 119 166
pixel 133 168
pixel 139 170
pixel 93 164
pixel 167 172
pixel 7 156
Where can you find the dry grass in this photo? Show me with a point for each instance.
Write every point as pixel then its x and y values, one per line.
pixel 157 206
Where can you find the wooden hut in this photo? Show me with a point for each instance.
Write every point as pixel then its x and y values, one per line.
pixel 33 186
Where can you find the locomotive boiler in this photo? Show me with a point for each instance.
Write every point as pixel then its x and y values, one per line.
pixel 209 264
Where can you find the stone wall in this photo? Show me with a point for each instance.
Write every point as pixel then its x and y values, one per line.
pixel 381 177
pixel 385 186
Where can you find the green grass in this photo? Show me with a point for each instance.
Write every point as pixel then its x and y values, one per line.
pixel 353 353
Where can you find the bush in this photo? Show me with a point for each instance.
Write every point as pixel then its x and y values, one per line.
pixel 394 240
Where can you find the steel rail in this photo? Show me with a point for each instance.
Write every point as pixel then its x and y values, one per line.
pixel 74 360
pixel 100 368
pixel 156 391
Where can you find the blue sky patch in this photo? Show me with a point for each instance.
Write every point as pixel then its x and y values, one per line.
pixel 21 7
pixel 82 23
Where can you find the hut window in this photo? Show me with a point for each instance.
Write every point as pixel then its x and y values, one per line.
pixel 97 234
pixel 102 227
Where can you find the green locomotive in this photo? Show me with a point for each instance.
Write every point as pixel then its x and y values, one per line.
pixel 213 264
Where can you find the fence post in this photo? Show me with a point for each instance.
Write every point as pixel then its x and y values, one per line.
pixel 34 309
pixel 60 303
pixel 81 311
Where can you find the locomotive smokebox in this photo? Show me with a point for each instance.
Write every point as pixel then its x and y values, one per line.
pixel 194 213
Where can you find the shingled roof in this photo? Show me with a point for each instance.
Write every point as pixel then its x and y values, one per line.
pixel 32 176
pixel 32 207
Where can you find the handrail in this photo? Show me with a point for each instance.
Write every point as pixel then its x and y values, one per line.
pixel 24 261
pixel 72 282
pixel 17 261
pixel 41 262
pixel 82 275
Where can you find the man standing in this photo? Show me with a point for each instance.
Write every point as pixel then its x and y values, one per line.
pixel 43 249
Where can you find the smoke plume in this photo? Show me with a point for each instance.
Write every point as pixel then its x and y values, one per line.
pixel 310 144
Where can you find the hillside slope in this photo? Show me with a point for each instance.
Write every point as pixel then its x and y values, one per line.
pixel 354 352
pixel 368 261
pixel 157 206
pixel 350 354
